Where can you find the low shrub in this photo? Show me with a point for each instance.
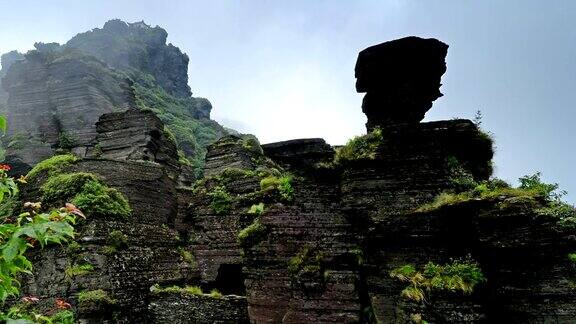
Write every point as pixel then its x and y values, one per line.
pixel 282 184
pixel 221 201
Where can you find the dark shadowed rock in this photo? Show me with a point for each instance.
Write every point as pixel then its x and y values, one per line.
pixel 401 79
pixel 299 151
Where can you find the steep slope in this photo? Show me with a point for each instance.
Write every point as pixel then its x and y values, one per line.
pixel 160 75
pixel 59 90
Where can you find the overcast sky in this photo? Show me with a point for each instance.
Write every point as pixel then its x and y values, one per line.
pixel 285 69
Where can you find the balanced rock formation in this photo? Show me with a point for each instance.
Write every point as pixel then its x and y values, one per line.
pixel 401 79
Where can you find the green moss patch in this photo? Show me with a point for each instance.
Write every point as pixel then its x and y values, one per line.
pixel 54 164
pixel 308 262
pixel 99 200
pixel 282 184
pixel 252 235
pixel 256 209
pixel 87 192
pixel 98 297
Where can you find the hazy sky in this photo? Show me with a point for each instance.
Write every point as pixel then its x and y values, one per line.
pixel 285 69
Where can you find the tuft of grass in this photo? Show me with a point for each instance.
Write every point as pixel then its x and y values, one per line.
pixel 186 255
pixel 282 184
pixel 486 191
pixel 572 257
pixel 457 276
pixel 53 164
pixel 78 270
pixel 214 293
pixel 360 147
pixel 257 209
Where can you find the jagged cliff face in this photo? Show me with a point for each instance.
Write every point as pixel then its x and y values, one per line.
pixel 6 60
pixel 55 99
pixel 55 94
pixel 138 47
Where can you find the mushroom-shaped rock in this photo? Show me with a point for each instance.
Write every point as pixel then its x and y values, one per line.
pixel 401 79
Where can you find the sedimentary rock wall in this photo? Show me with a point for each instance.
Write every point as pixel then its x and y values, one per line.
pixel 56 98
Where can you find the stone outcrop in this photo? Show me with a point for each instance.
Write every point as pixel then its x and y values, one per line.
pixel 140 47
pixel 401 79
pixel 6 60
pixel 134 135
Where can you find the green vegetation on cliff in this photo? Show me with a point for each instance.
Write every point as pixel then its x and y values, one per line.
pixel 87 192
pixel 360 147
pixel 253 234
pixel 457 276
pixel 186 290
pixel 191 134
pixel 53 164
pixel 544 198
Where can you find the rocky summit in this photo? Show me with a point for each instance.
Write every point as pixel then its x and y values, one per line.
pixel 404 224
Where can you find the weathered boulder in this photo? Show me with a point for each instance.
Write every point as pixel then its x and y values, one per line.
pixel 401 79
